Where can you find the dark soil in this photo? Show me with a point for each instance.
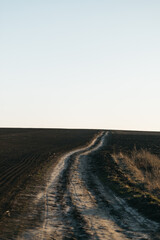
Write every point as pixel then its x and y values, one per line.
pixel 27 154
pixel 111 175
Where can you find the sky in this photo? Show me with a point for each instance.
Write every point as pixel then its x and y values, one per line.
pixel 80 64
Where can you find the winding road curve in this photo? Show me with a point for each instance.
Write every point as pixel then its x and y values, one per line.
pixel 76 205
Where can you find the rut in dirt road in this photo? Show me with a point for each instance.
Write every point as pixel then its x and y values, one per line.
pixel 76 205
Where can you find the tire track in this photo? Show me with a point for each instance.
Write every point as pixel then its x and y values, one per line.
pixel 71 222
pixel 76 205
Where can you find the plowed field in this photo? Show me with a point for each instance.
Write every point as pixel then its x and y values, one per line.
pixel 76 184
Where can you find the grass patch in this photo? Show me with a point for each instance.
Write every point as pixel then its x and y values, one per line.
pixel 132 172
pixel 142 168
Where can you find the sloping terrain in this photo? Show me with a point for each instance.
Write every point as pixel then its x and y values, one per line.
pixel 26 156
pixel 86 194
pixel 129 166
pixel 78 206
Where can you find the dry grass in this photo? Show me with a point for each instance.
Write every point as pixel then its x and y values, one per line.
pixel 142 168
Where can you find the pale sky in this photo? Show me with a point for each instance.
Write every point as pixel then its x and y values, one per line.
pixel 80 64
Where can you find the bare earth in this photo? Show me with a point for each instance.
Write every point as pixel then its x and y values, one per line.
pixel 75 205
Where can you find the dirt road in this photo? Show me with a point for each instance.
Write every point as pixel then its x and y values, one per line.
pixel 76 205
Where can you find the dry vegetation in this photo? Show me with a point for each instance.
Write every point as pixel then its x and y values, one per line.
pixel 130 165
pixel 142 168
